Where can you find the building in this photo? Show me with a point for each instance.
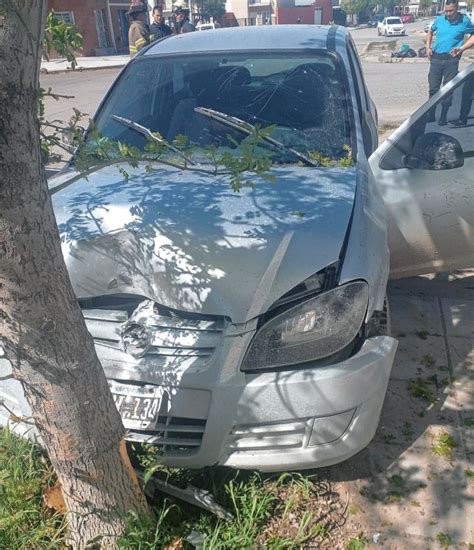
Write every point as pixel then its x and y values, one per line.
pixel 92 18
pixel 102 23
pixel 281 12
pixel 317 12
pixel 253 12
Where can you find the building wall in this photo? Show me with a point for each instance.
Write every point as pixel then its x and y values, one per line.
pixel 305 14
pixel 85 20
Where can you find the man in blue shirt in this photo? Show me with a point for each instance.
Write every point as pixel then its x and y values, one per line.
pixel 449 30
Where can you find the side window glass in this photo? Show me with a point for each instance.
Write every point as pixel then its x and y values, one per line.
pixel 442 139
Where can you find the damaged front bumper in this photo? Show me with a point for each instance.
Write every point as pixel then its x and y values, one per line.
pixel 188 397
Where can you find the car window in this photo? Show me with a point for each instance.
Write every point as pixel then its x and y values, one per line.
pixel 303 95
pixel 429 145
pixel 394 21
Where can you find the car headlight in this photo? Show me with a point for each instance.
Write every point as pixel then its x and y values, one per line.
pixel 312 330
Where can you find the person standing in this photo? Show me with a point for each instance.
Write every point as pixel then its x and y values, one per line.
pixel 183 24
pixel 158 29
pixel 139 31
pixel 449 31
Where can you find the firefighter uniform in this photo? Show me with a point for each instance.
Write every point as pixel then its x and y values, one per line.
pixel 138 36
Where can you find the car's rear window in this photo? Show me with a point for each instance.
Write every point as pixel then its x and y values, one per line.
pixel 303 95
pixel 394 21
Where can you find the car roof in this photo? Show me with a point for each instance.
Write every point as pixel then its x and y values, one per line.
pixel 263 37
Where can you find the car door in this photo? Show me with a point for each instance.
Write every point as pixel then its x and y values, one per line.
pixel 425 173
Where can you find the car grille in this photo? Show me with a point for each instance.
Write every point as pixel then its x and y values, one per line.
pixel 180 339
pixel 173 435
pixel 268 437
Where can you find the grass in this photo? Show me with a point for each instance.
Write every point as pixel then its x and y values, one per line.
pixel 357 543
pixel 444 445
pixel 24 475
pixel 470 475
pixel 419 388
pixel 444 540
pixel 279 513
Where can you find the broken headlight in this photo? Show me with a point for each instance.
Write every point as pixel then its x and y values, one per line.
pixel 312 330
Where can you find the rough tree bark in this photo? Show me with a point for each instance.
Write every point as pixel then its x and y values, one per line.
pixel 41 324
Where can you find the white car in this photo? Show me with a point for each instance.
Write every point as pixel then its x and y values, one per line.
pixel 391 26
pixel 207 26
pixel 250 329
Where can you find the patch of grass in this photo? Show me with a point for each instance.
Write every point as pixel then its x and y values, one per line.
pixel 357 543
pixel 428 360
pixel 423 334
pixel 24 475
pixel 397 480
pixel 388 438
pixel 444 445
pixel 288 511
pixel 416 503
pixel 470 475
pixel 407 431
pixel 444 540
pixel 469 422
pixel 419 388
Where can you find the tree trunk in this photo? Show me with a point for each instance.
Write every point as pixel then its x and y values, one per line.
pixel 41 323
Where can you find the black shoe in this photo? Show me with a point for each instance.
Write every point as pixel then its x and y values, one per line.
pixel 458 122
pixel 442 122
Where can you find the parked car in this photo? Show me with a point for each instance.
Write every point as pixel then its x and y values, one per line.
pixel 427 26
pixel 375 20
pixel 207 26
pixel 391 26
pixel 251 329
pixel 407 18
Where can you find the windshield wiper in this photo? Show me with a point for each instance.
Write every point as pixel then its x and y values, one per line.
pixel 249 129
pixel 148 133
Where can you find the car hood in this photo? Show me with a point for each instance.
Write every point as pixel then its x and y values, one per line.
pixel 187 241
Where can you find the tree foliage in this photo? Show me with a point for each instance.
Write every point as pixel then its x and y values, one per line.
pixel 210 8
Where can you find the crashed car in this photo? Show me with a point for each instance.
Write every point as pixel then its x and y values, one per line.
pixel 250 329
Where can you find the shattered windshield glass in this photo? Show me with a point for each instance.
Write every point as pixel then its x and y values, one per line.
pixel 301 95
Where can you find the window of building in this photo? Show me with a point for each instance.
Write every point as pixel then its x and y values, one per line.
pixel 66 16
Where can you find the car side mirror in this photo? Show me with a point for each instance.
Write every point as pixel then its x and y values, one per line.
pixel 435 151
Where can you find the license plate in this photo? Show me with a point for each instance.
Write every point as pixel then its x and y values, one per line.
pixel 138 405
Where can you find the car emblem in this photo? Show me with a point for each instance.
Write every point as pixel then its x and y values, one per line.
pixel 136 339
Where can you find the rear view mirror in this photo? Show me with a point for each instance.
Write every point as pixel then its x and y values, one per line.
pixel 435 151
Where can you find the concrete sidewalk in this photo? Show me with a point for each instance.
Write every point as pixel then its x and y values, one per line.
pixel 84 63
pixel 413 487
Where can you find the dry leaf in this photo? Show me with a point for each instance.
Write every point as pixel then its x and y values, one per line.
pixel 176 544
pixel 53 498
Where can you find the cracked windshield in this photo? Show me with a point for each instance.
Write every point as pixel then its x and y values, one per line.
pixel 192 107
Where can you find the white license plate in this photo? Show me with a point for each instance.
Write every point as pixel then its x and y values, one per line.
pixel 138 405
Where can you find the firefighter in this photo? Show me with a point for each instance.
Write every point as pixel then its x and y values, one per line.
pixel 139 31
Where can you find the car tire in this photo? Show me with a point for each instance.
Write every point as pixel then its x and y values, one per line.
pixel 378 32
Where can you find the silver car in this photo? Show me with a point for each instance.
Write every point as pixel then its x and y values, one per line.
pixel 251 329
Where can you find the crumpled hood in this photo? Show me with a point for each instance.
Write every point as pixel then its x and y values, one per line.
pixel 185 240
